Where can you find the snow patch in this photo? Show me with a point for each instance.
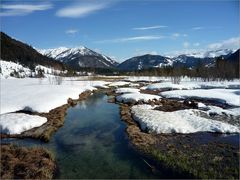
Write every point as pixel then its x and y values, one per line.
pixel 135 97
pixel 229 96
pixel 16 123
pixel 127 90
pixel 169 85
pixel 183 121
pixel 118 83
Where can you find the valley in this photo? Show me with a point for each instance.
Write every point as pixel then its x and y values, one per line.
pixel 119 89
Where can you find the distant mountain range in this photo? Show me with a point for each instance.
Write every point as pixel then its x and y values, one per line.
pixel 207 59
pixel 82 57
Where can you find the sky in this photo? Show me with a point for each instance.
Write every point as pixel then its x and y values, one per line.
pixel 124 28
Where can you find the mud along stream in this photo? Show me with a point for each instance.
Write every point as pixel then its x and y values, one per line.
pixel 93 144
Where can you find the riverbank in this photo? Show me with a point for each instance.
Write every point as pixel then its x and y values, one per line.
pixel 55 120
pixel 198 155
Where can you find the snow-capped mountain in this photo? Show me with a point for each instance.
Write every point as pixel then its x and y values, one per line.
pixel 219 52
pixel 80 57
pixel 203 53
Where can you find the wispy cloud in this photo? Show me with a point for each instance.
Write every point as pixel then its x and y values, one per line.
pixel 79 10
pixel 174 36
pixel 186 44
pixel 203 28
pixel 196 44
pixel 198 28
pixel 150 27
pixel 135 38
pixel 232 43
pixel 71 31
pixel 22 9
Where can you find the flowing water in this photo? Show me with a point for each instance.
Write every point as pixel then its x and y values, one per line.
pixel 93 144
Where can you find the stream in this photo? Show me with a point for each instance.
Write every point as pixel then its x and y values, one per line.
pixel 93 144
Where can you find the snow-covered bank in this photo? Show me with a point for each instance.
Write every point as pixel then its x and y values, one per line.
pixel 118 83
pixel 39 95
pixel 170 86
pixel 16 123
pixel 187 85
pixel 182 121
pixel 145 78
pixel 135 97
pixel 229 96
pixel 127 90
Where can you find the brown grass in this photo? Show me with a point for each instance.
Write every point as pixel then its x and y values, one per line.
pixel 26 163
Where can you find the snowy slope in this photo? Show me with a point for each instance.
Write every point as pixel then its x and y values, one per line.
pixel 8 68
pixel 13 69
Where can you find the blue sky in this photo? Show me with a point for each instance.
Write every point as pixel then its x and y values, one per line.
pixel 123 29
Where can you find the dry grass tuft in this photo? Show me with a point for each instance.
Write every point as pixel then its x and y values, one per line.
pixel 26 163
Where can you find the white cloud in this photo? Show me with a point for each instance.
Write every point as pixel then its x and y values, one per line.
pixel 82 9
pixel 71 31
pixel 196 44
pixel 208 27
pixel 22 9
pixel 186 44
pixel 176 35
pixel 135 38
pixel 232 43
pixel 150 27
pixel 198 28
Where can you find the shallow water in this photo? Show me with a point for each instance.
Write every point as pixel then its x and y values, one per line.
pixel 93 144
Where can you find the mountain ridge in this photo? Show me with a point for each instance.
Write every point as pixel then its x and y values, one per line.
pixel 20 52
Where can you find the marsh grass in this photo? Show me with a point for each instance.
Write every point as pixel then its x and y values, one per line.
pixel 26 163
